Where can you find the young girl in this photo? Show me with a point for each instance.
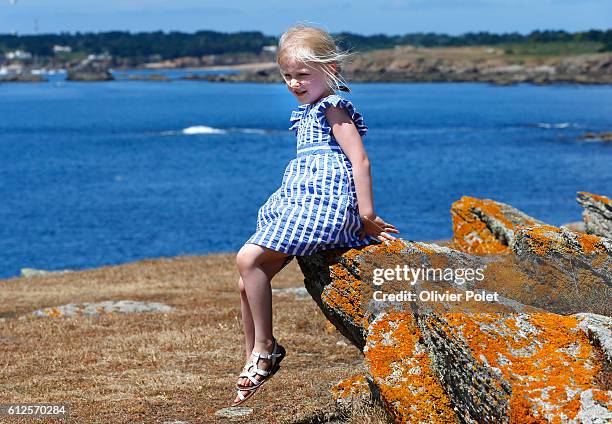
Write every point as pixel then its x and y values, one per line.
pixel 325 199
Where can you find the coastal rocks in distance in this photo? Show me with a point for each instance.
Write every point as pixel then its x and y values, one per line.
pixel 476 64
pixel 149 77
pixel 125 76
pixel 485 226
pixel 591 136
pixel 90 70
pixel 234 59
pixel 597 215
pixel 99 308
pixel 271 75
pixel 25 77
pixel 461 361
pixel 458 64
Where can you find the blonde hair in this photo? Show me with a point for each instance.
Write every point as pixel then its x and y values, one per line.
pixel 314 46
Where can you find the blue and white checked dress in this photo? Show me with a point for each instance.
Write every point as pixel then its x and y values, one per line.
pixel 315 208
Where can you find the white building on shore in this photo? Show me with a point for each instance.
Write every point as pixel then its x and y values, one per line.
pixel 18 55
pixel 270 49
pixel 61 49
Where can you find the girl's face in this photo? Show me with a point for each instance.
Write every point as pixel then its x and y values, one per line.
pixel 306 83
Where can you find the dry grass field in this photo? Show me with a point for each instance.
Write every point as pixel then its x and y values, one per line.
pixel 168 367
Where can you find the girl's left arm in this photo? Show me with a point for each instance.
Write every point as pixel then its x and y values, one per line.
pixel 348 138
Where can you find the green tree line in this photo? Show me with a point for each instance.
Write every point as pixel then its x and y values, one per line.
pixel 170 45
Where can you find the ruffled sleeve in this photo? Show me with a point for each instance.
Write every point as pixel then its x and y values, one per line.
pixel 335 100
pixel 296 117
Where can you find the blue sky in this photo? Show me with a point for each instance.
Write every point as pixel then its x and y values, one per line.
pixel 273 17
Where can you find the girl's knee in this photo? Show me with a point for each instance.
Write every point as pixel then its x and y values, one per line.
pixel 246 259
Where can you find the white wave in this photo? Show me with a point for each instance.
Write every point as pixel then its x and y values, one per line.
pixel 202 129
pixel 253 130
pixel 559 125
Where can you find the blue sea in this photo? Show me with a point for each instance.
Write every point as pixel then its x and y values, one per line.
pixel 94 174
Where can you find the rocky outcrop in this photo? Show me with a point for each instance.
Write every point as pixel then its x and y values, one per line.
pixel 409 64
pixel 486 368
pixel 90 70
pixel 27 77
pixel 524 337
pixel 486 226
pixel 597 215
pixel 591 136
pixel 216 60
pixel 270 75
pixel 150 77
pixel 570 271
pixel 98 308
pixel 545 264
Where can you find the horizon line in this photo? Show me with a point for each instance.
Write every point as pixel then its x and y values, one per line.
pixel 132 32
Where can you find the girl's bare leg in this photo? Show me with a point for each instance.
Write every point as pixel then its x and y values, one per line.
pixel 271 268
pixel 257 265
pixel 247 320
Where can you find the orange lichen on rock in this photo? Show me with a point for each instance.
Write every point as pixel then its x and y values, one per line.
pixel 401 369
pixel 53 312
pixel 423 248
pixel 392 247
pixel 590 243
pixel 352 387
pixel 470 233
pixel 598 197
pixel 346 295
pixel 547 360
pixel 543 239
pixel 603 398
pixel 349 294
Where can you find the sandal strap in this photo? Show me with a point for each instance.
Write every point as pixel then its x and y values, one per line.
pixel 272 355
pixel 261 372
pixel 247 388
pixel 259 356
pixel 255 381
pixel 253 371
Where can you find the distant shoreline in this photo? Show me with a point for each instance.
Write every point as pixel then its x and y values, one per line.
pixel 400 64
pixel 263 75
pixel 452 64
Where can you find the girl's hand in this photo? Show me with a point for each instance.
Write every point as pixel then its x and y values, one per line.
pixel 377 228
